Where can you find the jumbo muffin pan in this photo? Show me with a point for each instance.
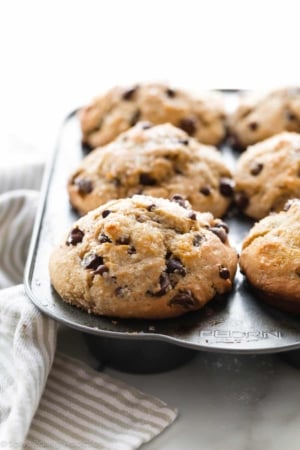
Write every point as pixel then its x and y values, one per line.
pixel 237 323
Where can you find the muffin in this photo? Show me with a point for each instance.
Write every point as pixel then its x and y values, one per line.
pixel 270 258
pixel 143 257
pixel 260 116
pixel 159 160
pixel 267 175
pixel 202 117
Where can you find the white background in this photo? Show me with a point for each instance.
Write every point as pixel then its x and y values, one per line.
pixel 56 55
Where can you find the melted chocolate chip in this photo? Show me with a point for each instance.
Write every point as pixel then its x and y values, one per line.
pixel 290 116
pixel 127 95
pixel 220 232
pixel 256 169
pixel 134 118
pixel 103 238
pixel 253 126
pixel 151 207
pixel 75 237
pixel 174 265
pixel 164 284
pixel 205 190
pixel 183 141
pixel 147 180
pixel 84 186
pixel 92 261
pixel 192 215
pixel 297 270
pixel 105 213
pixel 197 240
pixel 123 240
pixel 224 273
pixel 188 124
pixel 170 93
pixel 185 299
pixel 86 148
pixel 131 250
pixel 101 270
pixel 226 187
pixel 287 205
pixel 179 199
pixel 241 200
pixel 122 291
pixel 222 224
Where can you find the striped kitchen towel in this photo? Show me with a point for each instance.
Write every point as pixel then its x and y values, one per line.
pixel 48 400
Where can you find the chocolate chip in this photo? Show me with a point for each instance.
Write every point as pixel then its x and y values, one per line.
pixel 147 180
pixel 253 126
pixel 105 213
pixel 84 186
pixel 122 291
pixel 226 186
pixel 256 168
pixel 179 199
pixel 75 237
pixel 188 124
pixel 103 238
pixel 101 270
pixel 290 116
pixel 185 299
pixel 183 141
pixel 192 215
pixel 297 271
pixel 127 95
pixel 287 205
pixel 151 207
pixel 123 240
pixel 205 190
pixel 197 240
pixel 222 224
pixel 170 93
pixel 174 265
pixel 135 118
pixel 131 250
pixel 220 232
pixel 224 273
pixel 116 182
pixel 92 261
pixel 86 148
pixel 241 200
pixel 164 284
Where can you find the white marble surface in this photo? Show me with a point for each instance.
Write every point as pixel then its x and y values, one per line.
pixel 55 56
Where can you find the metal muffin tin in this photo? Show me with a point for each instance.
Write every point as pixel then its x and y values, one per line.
pixel 238 323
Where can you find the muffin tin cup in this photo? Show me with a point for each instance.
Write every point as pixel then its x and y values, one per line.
pixel 138 356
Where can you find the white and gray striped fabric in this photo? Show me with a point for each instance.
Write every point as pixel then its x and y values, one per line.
pixel 74 407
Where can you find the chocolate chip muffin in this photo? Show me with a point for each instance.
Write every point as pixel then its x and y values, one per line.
pixel 159 160
pixel 268 174
pixel 260 116
pixel 143 257
pixel 122 107
pixel 270 258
